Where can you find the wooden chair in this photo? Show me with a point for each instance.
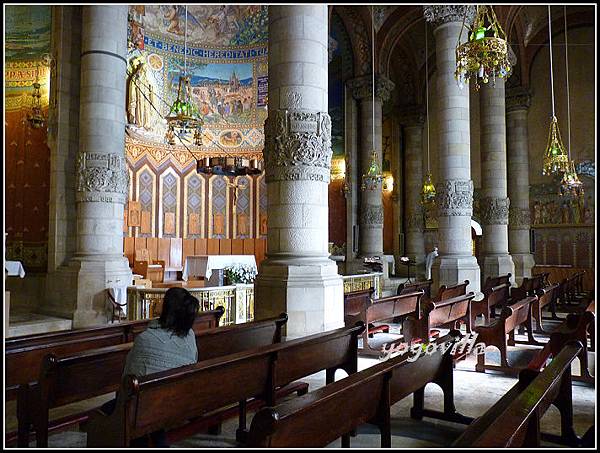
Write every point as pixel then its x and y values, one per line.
pixel 154 271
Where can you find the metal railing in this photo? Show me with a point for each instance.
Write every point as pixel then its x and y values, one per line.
pixel 237 301
pixel 363 281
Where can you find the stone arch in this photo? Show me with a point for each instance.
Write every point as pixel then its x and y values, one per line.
pixel 360 39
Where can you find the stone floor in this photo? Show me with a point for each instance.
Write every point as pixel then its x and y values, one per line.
pixel 474 394
pixel 26 323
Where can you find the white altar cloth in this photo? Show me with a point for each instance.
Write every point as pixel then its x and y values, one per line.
pixel 203 265
pixel 14 269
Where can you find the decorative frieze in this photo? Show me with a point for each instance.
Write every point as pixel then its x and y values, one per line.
pixel 372 215
pixel 519 218
pixel 494 210
pixel 362 87
pixel 442 14
pixel 455 198
pixel 102 177
pixel 517 98
pixel 297 146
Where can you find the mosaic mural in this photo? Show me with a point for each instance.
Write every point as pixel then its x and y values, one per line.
pixel 227 64
pixel 27 32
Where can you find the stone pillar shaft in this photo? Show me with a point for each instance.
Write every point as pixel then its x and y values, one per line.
pixel 494 201
pixel 298 277
pixel 456 262
pixel 413 161
pixel 517 103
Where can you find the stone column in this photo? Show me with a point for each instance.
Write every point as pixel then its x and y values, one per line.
pixel 519 215
pixel 101 174
pixel 298 277
pixel 456 262
pixel 371 203
pixel 494 201
pixel 413 121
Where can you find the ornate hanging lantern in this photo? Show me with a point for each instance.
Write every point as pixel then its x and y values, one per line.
pixel 484 55
pixel 35 117
pixel 428 191
pixel 183 116
pixel 555 158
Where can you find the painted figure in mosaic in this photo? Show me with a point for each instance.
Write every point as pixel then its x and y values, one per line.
pixel 140 96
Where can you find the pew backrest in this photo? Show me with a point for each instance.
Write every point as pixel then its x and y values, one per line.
pixel 492 282
pixel 158 400
pixel 363 396
pixel 449 310
pixel 357 302
pixel 393 306
pixel 24 355
pixel 516 314
pixel 448 292
pixel 425 286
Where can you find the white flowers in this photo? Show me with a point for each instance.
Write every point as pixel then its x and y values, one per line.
pixel 240 273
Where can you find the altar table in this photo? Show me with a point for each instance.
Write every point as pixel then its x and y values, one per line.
pixel 203 265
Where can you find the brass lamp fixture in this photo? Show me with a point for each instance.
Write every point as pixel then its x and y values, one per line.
pixel 183 116
pixel 374 176
pixel 570 183
pixel 428 190
pixel 555 158
pixel 484 55
pixel 35 117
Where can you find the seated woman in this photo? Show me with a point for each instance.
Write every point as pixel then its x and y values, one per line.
pixel 168 342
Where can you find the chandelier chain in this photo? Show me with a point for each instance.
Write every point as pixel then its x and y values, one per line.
pixel 427 92
pixel 568 98
pixel 185 43
pixel 373 65
pixel 551 68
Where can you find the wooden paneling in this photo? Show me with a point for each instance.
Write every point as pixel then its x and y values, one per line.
pixel 200 247
pixel 248 247
pixel 135 211
pixel 212 247
pixel 146 227
pixel 152 246
pixel 129 249
pixel 140 243
pixel 260 248
pixel 164 250
pixel 169 224
pixel 188 249
pixel 225 246
pixel 237 247
pixel 176 254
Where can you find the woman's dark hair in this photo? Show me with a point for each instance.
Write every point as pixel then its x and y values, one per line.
pixel 178 311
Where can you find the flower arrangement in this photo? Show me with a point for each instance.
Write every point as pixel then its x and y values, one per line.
pixel 240 273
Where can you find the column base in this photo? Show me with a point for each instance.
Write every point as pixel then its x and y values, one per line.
pixel 78 290
pixel 496 265
pixel 311 293
pixel 524 263
pixel 450 270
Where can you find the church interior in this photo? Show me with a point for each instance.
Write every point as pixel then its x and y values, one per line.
pixel 350 201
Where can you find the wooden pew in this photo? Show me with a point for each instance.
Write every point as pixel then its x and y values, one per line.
pixel 316 419
pixel 24 355
pixel 64 380
pixel 356 302
pixel 546 297
pixel 194 390
pixel 448 292
pixel 447 312
pixel 491 282
pixel 494 334
pixel 382 310
pixel 514 421
pixel 529 286
pixel 574 328
pixel 425 286
pixel 492 297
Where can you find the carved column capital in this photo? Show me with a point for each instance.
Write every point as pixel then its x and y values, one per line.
pixel 413 116
pixel 455 198
pixel 371 216
pixel 362 87
pixel 494 210
pixel 102 177
pixel 517 98
pixel 519 218
pixel 442 14
pixel 297 146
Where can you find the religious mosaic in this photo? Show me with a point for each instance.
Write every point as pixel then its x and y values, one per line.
pixel 227 64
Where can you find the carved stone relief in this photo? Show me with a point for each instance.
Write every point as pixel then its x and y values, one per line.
pixel 494 210
pixel 372 215
pixel 519 218
pixel 102 177
pixel 442 14
pixel 455 198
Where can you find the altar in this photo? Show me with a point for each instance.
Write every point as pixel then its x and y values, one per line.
pixel 202 266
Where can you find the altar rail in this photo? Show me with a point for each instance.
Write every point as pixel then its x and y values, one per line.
pixel 363 281
pixel 237 300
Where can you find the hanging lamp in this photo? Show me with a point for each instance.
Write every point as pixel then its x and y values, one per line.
pixel 183 116
pixel 555 158
pixel 484 55
pixel 35 116
pixel 428 190
pixel 570 183
pixel 374 176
